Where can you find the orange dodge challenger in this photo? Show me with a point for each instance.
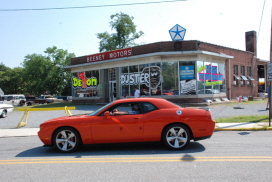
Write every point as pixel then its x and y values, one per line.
pixel 130 120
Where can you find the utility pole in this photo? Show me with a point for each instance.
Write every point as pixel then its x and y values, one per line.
pixel 270 103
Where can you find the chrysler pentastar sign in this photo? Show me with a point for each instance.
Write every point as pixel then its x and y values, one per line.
pixel 177 33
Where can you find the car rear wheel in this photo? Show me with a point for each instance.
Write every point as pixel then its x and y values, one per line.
pixel 66 139
pixel 3 114
pixel 22 103
pixel 176 136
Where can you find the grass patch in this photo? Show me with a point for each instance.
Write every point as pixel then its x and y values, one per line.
pixel 244 119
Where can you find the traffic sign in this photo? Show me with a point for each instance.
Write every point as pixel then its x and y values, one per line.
pixel 269 71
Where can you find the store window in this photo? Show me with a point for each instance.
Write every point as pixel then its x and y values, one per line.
pixel 144 80
pixel 146 77
pixel 124 81
pixel 236 78
pixel 210 78
pixel 173 78
pixel 112 74
pixel 134 79
pixel 155 79
pixel 86 84
pixel 243 77
pixel 170 78
pixel 187 78
pixel 249 76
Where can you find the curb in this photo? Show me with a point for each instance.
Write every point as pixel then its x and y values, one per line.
pixel 242 129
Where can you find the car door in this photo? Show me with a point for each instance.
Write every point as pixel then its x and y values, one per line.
pixel 117 128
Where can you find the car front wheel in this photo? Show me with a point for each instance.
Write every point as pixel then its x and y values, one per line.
pixel 3 114
pixel 176 136
pixel 66 139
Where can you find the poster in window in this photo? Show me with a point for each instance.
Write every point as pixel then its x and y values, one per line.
pixel 187 72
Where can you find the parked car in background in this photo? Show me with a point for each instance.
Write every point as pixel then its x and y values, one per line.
pixel 4 109
pixel 30 100
pixel 65 98
pixel 13 99
pixel 46 99
pixel 167 92
pixel 130 120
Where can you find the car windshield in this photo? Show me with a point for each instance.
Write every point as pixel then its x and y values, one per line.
pixel 98 110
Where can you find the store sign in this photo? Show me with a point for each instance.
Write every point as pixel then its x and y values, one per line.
pixel 150 76
pixel 110 55
pixel 177 32
pixel 187 72
pixel 83 82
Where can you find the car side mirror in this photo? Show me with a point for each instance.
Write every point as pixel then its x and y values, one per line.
pixel 107 114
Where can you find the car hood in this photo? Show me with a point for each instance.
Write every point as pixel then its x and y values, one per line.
pixel 69 119
pixel 5 106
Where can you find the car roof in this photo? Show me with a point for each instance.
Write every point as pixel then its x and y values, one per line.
pixel 159 102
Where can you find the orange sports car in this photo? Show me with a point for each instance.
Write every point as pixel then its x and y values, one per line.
pixel 129 120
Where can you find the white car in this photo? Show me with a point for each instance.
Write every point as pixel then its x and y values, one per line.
pixel 4 109
pixel 13 99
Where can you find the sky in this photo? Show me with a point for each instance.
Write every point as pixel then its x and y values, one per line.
pixel 221 22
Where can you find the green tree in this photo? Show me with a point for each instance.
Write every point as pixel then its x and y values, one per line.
pixel 46 74
pixel 11 80
pixel 3 67
pixel 124 36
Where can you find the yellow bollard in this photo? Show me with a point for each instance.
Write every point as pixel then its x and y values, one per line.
pixel 24 119
pixel 67 112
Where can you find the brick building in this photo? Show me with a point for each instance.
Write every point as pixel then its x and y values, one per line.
pixel 180 71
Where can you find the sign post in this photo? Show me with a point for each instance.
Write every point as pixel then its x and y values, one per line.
pixel 269 79
pixel 269 73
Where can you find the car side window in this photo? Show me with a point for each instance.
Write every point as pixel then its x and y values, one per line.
pixel 148 107
pixel 128 108
pixel 10 98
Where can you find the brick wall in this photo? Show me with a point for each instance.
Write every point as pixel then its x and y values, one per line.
pixel 240 58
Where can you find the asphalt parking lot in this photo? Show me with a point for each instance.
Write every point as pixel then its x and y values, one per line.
pixel 37 117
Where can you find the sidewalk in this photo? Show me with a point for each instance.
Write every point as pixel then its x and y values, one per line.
pixel 241 126
pixel 23 132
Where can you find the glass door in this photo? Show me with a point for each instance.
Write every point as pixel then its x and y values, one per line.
pixel 112 90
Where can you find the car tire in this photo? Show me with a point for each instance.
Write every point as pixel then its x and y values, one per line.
pixel 3 114
pixel 176 136
pixel 22 103
pixel 66 140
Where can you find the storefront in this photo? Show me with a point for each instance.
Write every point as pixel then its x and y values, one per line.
pixel 157 70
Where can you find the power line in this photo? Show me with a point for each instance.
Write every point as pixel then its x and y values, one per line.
pixel 261 21
pixel 81 7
